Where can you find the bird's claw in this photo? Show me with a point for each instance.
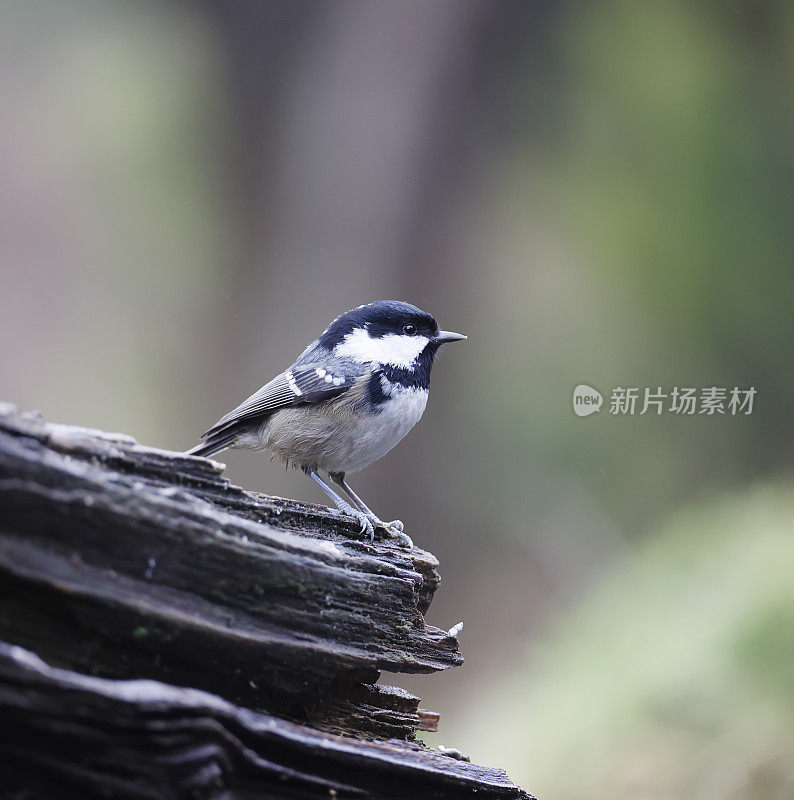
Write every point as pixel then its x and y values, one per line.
pixel 404 538
pixel 364 521
pixel 395 530
pixel 369 523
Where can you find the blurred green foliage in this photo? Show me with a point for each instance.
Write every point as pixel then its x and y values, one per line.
pixel 647 241
pixel 651 244
pixel 673 677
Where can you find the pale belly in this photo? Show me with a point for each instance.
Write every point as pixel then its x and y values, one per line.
pixel 338 436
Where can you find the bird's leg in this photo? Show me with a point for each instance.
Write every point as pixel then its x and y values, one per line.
pixel 345 507
pixel 395 527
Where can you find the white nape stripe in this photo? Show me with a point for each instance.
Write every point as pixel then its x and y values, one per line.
pixel 397 350
pixel 292 384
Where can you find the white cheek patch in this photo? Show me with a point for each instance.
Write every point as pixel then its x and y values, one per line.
pixel 398 350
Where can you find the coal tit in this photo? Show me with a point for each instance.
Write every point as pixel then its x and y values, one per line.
pixel 348 399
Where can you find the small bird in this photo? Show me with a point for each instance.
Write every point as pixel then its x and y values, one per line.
pixel 348 399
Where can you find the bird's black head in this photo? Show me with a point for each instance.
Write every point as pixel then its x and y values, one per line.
pixel 401 339
pixel 380 319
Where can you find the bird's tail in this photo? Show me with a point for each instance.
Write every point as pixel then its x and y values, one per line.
pixel 214 444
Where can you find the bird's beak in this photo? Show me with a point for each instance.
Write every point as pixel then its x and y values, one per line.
pixel 442 337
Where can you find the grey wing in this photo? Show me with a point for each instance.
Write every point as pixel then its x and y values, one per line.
pixel 299 385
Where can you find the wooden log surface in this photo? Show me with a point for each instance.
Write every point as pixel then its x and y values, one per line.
pixel 65 734
pixel 120 562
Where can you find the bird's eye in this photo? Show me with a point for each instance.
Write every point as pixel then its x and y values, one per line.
pixel 409 330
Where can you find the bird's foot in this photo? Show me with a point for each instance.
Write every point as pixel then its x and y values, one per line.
pixel 363 519
pixel 369 522
pixel 395 530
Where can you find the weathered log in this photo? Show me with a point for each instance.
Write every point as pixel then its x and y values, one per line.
pixel 64 734
pixel 119 562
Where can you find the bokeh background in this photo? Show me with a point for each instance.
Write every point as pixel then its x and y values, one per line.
pixel 595 192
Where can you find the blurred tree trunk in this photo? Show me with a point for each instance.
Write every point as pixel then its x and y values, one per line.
pixel 362 132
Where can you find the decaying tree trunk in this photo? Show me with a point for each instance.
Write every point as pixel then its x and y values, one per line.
pixel 128 573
